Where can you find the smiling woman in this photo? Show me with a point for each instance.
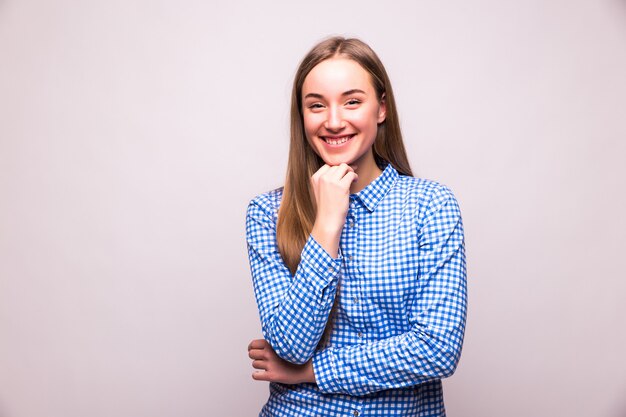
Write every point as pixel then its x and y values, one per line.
pixel 358 267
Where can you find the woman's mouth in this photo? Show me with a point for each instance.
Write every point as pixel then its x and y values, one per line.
pixel 337 140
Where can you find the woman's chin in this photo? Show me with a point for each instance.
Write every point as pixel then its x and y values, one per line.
pixel 336 161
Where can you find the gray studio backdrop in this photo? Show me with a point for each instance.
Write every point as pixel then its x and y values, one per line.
pixel 133 133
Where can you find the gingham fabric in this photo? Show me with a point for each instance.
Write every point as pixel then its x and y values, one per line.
pixel 402 302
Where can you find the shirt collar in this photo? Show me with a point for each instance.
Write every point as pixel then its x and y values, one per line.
pixel 371 195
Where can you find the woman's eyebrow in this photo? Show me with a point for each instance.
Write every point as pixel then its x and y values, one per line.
pixel 345 93
pixel 353 91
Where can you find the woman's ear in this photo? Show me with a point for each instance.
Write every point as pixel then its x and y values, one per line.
pixel 382 109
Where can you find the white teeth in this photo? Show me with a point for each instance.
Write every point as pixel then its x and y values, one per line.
pixel 337 141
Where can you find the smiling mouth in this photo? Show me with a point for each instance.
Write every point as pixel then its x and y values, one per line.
pixel 336 140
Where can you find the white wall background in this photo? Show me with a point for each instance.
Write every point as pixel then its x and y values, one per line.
pixel 133 133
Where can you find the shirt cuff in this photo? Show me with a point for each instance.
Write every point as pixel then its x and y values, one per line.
pixel 325 370
pixel 320 263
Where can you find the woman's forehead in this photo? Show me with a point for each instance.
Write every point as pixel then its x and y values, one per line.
pixel 335 76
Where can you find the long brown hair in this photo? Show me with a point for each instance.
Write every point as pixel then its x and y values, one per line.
pixel 297 209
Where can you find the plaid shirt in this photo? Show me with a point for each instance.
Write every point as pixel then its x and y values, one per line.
pixel 402 302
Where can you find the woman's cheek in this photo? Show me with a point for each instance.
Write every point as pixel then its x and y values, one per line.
pixel 315 120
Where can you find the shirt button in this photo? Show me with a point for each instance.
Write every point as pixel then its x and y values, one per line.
pixel 356 413
pixel 356 300
pixel 360 334
pixel 331 269
pixel 351 224
pixel 350 257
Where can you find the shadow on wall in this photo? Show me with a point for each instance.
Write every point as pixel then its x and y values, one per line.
pixel 620 410
pixel 621 413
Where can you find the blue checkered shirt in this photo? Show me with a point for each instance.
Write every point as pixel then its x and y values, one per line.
pixel 402 302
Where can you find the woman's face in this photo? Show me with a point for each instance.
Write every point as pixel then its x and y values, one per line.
pixel 341 112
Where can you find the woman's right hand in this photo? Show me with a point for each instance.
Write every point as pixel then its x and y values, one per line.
pixel 331 186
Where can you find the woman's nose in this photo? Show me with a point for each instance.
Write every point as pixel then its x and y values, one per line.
pixel 334 121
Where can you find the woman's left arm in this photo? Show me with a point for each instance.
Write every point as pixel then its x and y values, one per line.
pixel 431 349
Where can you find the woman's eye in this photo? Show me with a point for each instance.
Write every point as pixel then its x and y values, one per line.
pixel 353 102
pixel 315 106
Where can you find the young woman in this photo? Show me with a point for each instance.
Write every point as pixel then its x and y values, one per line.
pixel 358 267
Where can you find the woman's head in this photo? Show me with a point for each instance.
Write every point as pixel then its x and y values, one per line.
pixel 343 53
pixel 376 127
pixel 341 112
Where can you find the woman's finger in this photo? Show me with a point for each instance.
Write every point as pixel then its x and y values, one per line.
pixel 257 344
pixel 260 376
pixel 257 354
pixel 323 169
pixel 258 364
pixel 343 167
pixel 336 173
pixel 348 179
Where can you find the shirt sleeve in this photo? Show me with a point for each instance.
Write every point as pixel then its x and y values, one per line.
pixel 293 309
pixel 432 347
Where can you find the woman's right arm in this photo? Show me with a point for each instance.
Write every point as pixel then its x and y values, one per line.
pixel 294 309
